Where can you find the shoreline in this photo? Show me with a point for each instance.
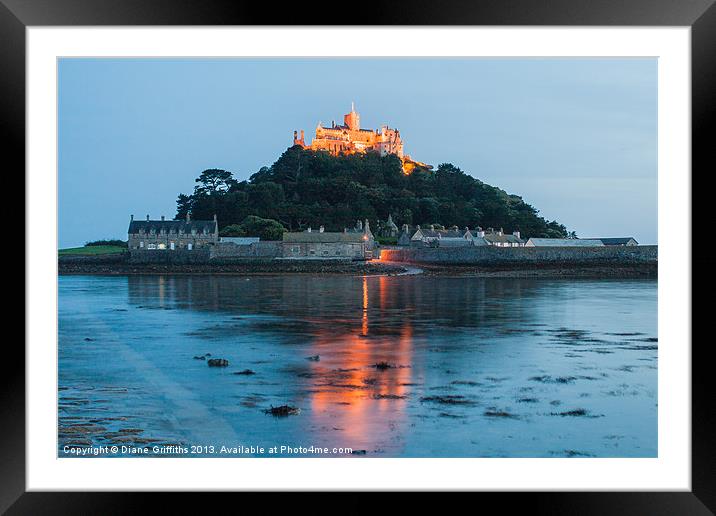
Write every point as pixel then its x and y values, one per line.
pixel 117 266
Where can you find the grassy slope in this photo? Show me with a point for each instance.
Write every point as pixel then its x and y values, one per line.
pixel 93 250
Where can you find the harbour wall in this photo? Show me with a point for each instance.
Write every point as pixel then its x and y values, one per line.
pixel 224 252
pixel 496 256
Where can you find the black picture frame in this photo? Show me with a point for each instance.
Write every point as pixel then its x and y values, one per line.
pixel 700 15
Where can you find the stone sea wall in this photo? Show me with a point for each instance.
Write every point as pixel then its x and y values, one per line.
pixel 180 256
pixel 218 253
pixel 227 251
pixel 495 256
pixel 68 259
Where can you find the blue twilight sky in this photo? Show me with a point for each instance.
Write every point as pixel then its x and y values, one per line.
pixel 576 138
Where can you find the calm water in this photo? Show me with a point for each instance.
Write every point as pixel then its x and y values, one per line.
pixel 479 367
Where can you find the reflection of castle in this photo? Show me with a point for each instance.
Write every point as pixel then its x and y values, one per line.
pixel 349 138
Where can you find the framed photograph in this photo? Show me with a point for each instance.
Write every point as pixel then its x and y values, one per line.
pixel 439 249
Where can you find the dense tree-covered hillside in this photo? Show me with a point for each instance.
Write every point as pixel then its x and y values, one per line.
pixel 305 188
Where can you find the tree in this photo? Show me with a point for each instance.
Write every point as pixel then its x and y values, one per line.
pixel 305 188
pixel 233 230
pixel 266 229
pixel 214 180
pixel 265 198
pixel 184 205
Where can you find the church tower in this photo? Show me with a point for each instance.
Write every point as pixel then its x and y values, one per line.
pixel 352 119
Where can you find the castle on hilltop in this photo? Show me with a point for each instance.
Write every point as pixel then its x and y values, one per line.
pixel 349 138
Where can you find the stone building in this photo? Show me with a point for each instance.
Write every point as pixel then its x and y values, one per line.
pixel 405 234
pixel 172 234
pixel 433 237
pixel 498 238
pixel 389 228
pixel 354 244
pixel 349 138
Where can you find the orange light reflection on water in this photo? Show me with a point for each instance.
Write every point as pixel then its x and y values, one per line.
pixel 371 400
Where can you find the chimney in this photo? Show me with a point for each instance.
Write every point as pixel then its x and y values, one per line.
pixel 131 218
pixel 188 218
pixel 321 229
pixel 432 227
pixel 214 217
pixel 367 226
pixel 345 230
pixel 359 225
pixel 309 229
pixel 302 138
pixel 480 232
pixel 162 218
pixel 500 232
pixel 516 233
pixel 405 228
pixel 147 217
pixel 454 228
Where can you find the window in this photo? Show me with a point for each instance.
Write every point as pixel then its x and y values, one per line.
pixel 151 246
pixel 162 246
pixel 189 246
pixel 141 243
pixel 171 245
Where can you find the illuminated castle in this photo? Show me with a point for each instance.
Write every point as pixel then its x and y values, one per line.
pixel 350 138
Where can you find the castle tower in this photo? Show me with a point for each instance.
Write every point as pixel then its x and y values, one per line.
pixel 352 119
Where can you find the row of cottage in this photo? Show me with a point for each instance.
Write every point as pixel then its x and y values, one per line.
pixel 357 242
pixel 455 237
pixel 189 235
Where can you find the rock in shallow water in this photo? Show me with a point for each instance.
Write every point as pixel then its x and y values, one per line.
pixel 217 362
pixel 283 410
